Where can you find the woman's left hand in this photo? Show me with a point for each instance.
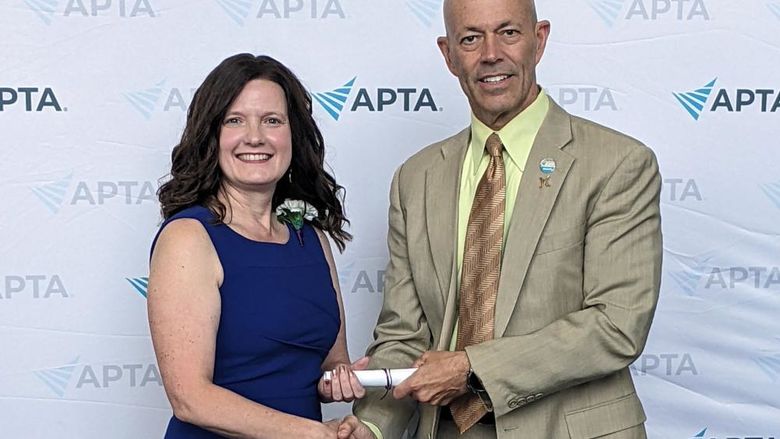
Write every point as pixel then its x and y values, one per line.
pixel 343 385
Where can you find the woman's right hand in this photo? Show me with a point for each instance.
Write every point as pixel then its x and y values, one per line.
pixel 343 385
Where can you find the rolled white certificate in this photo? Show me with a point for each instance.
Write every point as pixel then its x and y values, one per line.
pixel 378 377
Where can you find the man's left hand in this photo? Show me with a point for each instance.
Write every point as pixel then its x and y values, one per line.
pixel 439 379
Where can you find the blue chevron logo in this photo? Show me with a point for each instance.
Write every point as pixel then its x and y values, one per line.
pixel 772 190
pixel 774 6
pixel 687 281
pixel 700 434
pixel 693 270
pixel 44 9
pixel 141 284
pixel 53 194
pixel 57 378
pixel 770 365
pixel 333 101
pixel 694 101
pixel 145 100
pixel 237 10
pixel 607 10
pixel 425 10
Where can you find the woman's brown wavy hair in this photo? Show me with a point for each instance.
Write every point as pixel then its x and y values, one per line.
pixel 195 176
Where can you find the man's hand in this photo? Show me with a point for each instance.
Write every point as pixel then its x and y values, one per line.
pixel 352 428
pixel 343 385
pixel 440 378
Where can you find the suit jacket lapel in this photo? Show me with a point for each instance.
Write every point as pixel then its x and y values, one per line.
pixel 442 183
pixel 532 209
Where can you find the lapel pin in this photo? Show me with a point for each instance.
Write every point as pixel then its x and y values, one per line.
pixel 547 166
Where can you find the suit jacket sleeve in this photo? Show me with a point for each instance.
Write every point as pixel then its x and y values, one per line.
pixel 402 332
pixel 621 280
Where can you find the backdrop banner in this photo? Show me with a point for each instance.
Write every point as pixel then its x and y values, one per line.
pixel 93 97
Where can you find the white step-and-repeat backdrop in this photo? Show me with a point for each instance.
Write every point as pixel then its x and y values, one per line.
pixel 93 95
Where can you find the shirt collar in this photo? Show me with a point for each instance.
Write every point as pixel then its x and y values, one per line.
pixel 517 136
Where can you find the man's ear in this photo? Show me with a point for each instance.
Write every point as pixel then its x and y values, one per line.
pixel 444 47
pixel 542 34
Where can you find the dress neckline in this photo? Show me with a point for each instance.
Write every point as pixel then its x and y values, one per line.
pixel 254 241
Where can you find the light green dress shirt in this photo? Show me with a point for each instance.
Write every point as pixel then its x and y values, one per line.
pixel 517 136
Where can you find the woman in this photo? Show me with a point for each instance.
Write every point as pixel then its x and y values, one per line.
pixel 244 309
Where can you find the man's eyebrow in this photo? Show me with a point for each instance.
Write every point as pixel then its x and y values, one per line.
pixel 503 25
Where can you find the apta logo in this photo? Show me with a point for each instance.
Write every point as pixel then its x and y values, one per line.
pixel 240 10
pixel 365 275
pixel 57 378
pixel 772 191
pixel 56 194
pixel 53 194
pixel 764 100
pixel 758 277
pixel 46 10
pixel 775 8
pixel 141 284
pixel 35 286
pixel 694 101
pixel 333 101
pixel 155 98
pixel 667 364
pixel 703 435
pixel 681 189
pixel 692 271
pixel 99 376
pixel 698 270
pixel 610 11
pixel 426 11
pixel 376 100
pixel 145 101
pixel 584 98
pixel 30 99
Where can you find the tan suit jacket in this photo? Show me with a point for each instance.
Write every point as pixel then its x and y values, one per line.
pixel 579 284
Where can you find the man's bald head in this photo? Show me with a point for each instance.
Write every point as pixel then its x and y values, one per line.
pixel 529 6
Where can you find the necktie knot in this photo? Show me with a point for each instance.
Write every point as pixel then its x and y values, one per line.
pixel 494 145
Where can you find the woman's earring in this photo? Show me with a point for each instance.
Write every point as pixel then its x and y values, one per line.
pixel 289 176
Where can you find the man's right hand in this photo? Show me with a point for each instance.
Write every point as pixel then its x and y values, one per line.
pixel 352 428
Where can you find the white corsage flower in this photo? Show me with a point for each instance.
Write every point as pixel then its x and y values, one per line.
pixel 295 212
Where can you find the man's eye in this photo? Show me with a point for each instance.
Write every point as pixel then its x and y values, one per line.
pixel 469 39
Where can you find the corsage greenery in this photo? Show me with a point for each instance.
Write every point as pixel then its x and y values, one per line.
pixel 295 212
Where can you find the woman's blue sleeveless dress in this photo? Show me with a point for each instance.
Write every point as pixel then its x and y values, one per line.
pixel 279 319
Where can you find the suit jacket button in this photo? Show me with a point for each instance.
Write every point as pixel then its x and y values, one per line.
pixel 512 403
pixel 538 395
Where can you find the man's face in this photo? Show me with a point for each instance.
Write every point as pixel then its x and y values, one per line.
pixel 493 47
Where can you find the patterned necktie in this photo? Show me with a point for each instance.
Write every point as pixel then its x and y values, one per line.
pixel 480 272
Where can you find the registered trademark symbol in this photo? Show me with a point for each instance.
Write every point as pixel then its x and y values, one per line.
pixel 441 108
pixel 64 108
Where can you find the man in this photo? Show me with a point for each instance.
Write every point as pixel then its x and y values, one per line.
pixel 525 258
